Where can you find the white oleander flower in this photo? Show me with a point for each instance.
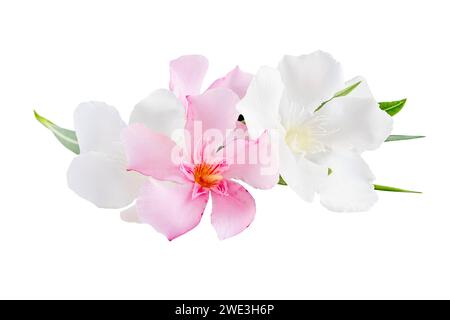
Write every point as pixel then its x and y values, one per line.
pixel 321 136
pixel 99 173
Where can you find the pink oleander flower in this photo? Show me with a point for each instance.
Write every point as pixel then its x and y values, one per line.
pixel 183 175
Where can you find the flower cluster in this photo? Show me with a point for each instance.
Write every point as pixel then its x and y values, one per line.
pixel 300 124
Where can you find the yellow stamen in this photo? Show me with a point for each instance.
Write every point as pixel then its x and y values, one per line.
pixel 207 175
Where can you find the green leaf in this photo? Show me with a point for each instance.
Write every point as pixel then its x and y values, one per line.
pixel 398 137
pixel 392 107
pixel 392 189
pixel 341 93
pixel 347 90
pixel 68 138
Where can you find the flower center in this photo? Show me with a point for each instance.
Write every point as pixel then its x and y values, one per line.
pixel 207 175
pixel 299 139
pixel 306 137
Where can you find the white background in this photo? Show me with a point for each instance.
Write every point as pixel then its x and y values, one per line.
pixel 56 54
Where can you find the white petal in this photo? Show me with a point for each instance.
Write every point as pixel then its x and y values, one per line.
pixel 311 79
pixel 355 123
pixel 292 114
pixel 130 215
pixel 260 105
pixel 161 112
pixel 362 90
pixel 302 175
pixel 349 187
pixel 103 180
pixel 98 127
pixel 289 111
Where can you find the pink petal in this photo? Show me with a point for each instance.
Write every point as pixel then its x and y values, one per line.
pixel 253 162
pixel 211 114
pixel 236 80
pixel 150 153
pixel 186 75
pixel 241 130
pixel 169 208
pixel 232 213
pixel 207 152
pixel 221 188
pixel 198 190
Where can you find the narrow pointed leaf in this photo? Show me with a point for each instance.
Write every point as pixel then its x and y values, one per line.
pixel 392 107
pixel 399 137
pixel 341 93
pixel 347 90
pixel 392 189
pixel 68 138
